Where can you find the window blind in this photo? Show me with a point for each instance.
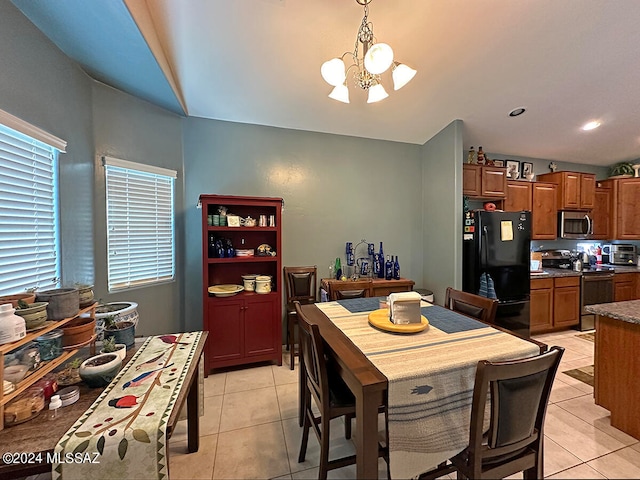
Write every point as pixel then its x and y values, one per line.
pixel 28 213
pixel 140 224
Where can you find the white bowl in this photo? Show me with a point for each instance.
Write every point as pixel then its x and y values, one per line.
pixel 15 373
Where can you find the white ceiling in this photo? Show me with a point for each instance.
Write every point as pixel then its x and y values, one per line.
pixel 258 61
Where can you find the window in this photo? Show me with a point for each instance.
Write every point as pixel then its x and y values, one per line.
pixel 29 255
pixel 140 230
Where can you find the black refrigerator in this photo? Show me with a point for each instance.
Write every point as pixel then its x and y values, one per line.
pixel 496 257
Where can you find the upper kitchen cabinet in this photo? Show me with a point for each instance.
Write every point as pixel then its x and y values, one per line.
pixel 544 211
pixel 576 190
pixel 481 181
pixel 625 220
pixel 601 213
pixel 518 196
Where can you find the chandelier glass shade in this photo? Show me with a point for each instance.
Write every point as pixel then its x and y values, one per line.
pixel 370 60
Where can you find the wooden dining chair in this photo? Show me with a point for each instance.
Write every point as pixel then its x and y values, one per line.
pixel 347 294
pixel 301 287
pixel 519 393
pixel 331 396
pixel 481 308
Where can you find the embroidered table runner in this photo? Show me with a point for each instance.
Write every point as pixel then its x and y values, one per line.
pixel 431 376
pixel 124 429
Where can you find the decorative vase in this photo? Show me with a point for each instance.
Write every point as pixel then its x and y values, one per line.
pixel 635 169
pixel 98 371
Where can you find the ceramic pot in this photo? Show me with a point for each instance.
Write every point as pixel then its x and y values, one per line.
pixel 85 295
pixel 35 315
pixel 78 331
pixel 124 332
pixel 63 302
pixel 13 299
pixel 121 351
pixel 263 284
pixel 98 371
pixel 249 282
pixel 121 311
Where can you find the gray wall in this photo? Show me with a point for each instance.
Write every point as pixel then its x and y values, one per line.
pixel 132 129
pixel 42 86
pixel 336 189
pixel 442 210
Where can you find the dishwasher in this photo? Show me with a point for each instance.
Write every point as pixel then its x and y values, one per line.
pixel 597 287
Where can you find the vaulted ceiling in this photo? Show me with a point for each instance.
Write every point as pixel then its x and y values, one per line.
pixel 258 61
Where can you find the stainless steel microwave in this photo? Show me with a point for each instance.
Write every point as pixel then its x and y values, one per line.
pixel 576 225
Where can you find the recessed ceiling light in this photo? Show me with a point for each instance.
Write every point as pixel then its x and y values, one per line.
pixel 517 111
pixel 590 125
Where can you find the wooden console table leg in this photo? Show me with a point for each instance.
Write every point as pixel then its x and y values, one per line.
pixel 193 414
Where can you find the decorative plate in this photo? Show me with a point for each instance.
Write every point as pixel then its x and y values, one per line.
pixel 226 290
pixel 380 319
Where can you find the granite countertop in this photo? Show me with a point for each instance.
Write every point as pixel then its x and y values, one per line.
pixel 628 311
pixel 566 272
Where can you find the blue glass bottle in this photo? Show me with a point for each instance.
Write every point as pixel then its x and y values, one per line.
pixel 380 262
pixel 396 269
pixel 388 269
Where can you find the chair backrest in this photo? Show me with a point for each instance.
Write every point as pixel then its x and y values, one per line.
pixel 475 306
pixel 519 394
pixel 345 294
pixel 301 283
pixel 312 353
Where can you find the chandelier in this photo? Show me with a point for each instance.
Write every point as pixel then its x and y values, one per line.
pixel 376 59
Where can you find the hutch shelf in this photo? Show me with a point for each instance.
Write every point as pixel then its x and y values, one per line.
pixel 245 327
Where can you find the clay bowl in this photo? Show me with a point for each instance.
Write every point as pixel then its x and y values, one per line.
pixel 78 331
pixel 13 299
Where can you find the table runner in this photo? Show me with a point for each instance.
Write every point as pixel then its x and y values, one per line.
pixel 126 424
pixel 431 376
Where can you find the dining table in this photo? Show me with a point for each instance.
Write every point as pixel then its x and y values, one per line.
pixel 425 378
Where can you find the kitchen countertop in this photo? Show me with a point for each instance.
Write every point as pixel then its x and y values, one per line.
pixel 565 272
pixel 628 311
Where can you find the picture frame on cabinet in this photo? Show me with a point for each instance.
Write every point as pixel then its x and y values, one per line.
pixel 513 169
pixel 498 163
pixel 527 169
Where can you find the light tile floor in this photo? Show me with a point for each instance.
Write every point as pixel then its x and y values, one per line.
pixel 250 428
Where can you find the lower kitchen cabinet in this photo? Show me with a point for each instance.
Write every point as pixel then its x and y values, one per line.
pixel 243 329
pixel 541 304
pixel 566 301
pixel 624 287
pixel 555 303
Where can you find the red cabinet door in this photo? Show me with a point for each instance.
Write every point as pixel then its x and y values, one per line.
pixel 226 332
pixel 260 330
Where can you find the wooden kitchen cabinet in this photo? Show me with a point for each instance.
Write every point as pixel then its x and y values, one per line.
pixel 601 213
pixel 519 196
pixel 481 181
pixel 576 190
pixel 624 287
pixel 541 305
pixel 625 220
pixel 566 301
pixel 544 211
pixel 245 327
